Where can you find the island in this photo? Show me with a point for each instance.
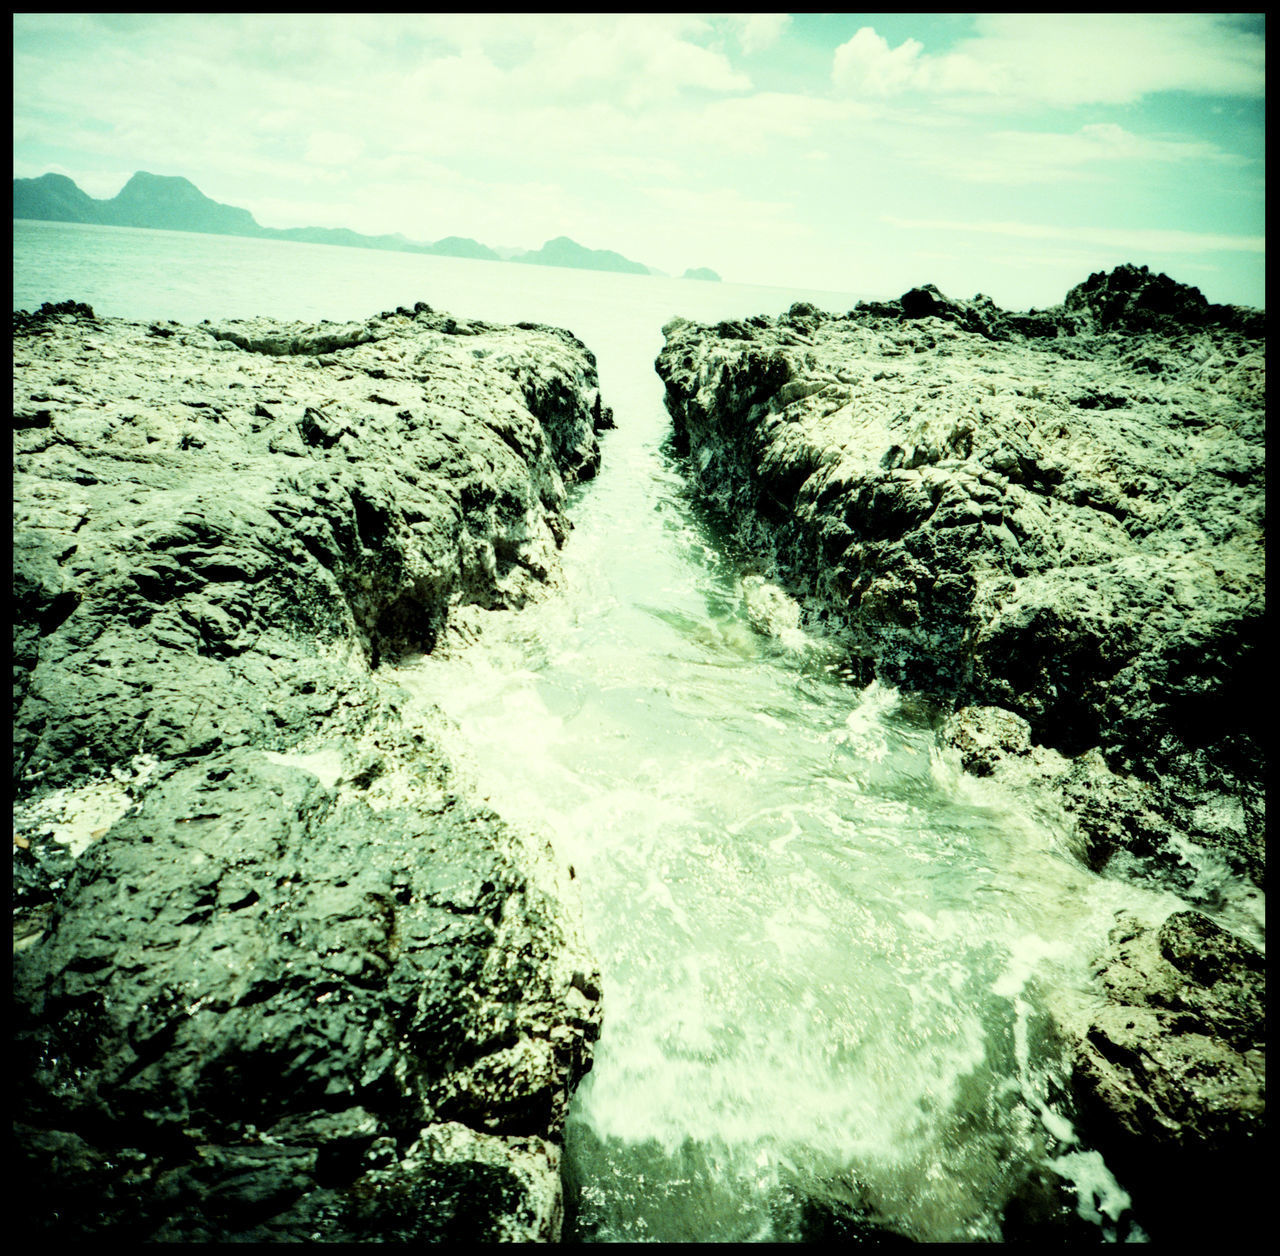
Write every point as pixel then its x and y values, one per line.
pixel 173 203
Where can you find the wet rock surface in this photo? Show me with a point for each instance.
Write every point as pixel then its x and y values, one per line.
pixel 1052 524
pixel 275 976
pixel 1172 1073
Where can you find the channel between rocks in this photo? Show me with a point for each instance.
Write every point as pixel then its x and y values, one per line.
pixel 280 975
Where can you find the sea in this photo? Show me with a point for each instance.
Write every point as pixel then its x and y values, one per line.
pixel 831 960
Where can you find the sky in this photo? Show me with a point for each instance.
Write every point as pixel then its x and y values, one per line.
pixel 1008 154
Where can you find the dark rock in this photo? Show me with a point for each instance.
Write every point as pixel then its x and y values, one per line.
pixel 979 525
pixel 1052 526
pixel 235 993
pixel 1171 1072
pixel 274 980
pixel 25 324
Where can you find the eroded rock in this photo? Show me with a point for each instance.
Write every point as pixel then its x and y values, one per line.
pixel 1052 525
pixel 276 980
pixel 1171 1071
pixel 1030 522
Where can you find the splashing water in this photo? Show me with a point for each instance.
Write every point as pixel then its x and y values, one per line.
pixel 825 949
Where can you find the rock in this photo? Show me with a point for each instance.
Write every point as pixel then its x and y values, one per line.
pixel 1016 520
pixel 275 980
pixel 1171 1072
pixel 366 499
pixel 986 736
pixel 1051 526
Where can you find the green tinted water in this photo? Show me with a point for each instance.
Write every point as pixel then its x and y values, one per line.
pixel 824 948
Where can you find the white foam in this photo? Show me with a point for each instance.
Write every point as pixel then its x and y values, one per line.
pixel 1098 1194
pixel 325 765
pixel 77 817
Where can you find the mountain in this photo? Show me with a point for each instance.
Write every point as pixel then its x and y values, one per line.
pixel 54 198
pixel 565 252
pixel 701 272
pixel 461 246
pixel 172 203
pixel 147 200
pixel 344 237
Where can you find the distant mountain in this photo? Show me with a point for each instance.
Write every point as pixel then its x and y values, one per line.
pixel 341 236
pixel 147 200
pixel 461 246
pixel 565 252
pixel 55 198
pixel 172 203
pixel 701 272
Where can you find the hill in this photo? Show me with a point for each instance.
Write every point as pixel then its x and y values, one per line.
pixel 172 203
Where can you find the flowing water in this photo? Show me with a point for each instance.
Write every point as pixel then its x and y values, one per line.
pixel 827 955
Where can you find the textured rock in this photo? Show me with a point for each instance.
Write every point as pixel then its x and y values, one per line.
pixel 275 980
pixel 1066 526
pixel 234 526
pixel 1051 524
pixel 1172 1071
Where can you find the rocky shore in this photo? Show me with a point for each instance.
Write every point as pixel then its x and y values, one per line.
pixel 1051 525
pixel 276 976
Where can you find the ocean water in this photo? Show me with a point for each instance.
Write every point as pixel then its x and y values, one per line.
pixel 829 957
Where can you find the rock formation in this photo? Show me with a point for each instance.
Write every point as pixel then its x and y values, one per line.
pixel 276 977
pixel 1052 524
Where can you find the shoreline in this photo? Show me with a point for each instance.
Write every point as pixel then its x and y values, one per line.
pixel 1050 524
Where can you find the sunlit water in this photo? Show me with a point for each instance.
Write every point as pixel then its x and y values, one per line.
pixel 827 954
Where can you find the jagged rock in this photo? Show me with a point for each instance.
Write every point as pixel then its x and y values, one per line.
pixel 1052 525
pixel 275 980
pixel 1041 524
pixel 417 470
pixel 1172 1073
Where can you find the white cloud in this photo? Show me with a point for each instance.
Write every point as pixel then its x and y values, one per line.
pixel 1064 59
pixel 1094 151
pixel 1138 239
pixel 760 30
pixel 866 65
pixel 333 148
pixel 756 123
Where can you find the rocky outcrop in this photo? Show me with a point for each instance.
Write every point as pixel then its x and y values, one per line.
pixel 1051 523
pixel 1171 1072
pixel 1066 527
pixel 276 977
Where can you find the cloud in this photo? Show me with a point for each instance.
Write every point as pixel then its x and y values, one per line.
pixel 1064 59
pixel 755 123
pixel 866 65
pixel 760 30
pixel 1137 239
pixel 333 148
pixel 1094 151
